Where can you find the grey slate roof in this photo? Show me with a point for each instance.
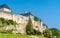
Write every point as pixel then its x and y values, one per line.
pixel 4 6
pixel 44 24
pixel 26 14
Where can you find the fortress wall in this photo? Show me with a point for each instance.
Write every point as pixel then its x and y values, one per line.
pixel 15 17
pixel 6 15
pixel 22 22
pixel 19 18
pixel 1 9
pixel 0 14
pixel 38 25
pixel 44 27
pixel 7 10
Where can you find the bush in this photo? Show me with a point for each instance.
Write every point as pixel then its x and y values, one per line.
pixel 35 18
pixel 4 22
pixel 6 31
pixel 11 22
pixel 37 32
pixel 47 33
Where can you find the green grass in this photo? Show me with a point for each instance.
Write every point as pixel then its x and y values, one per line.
pixel 16 36
pixel 41 37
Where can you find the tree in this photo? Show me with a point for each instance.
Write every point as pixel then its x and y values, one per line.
pixel 47 33
pixel 55 32
pixel 35 18
pixel 29 28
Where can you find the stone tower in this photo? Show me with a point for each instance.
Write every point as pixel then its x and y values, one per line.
pixel 4 8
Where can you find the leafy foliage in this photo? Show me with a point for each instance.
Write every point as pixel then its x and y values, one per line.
pixel 11 22
pixel 29 28
pixel 55 32
pixel 4 22
pixel 35 18
pixel 37 32
pixel 47 33
pixel 6 31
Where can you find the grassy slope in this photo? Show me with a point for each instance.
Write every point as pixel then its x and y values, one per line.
pixel 16 36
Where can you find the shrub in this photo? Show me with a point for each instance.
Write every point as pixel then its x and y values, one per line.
pixel 37 32
pixel 4 22
pixel 6 31
pixel 11 22
pixel 47 33
pixel 35 18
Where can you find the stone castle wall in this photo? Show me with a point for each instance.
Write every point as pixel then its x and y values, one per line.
pixel 22 21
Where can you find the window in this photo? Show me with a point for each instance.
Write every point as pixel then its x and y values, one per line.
pixel 36 26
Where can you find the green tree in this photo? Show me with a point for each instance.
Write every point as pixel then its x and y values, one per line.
pixel 47 33
pixel 35 18
pixel 29 28
pixel 55 32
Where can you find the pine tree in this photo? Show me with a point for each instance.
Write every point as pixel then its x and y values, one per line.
pixel 29 27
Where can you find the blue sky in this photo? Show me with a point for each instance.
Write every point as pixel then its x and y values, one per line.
pixel 47 10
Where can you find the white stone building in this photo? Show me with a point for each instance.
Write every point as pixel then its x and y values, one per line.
pixel 21 19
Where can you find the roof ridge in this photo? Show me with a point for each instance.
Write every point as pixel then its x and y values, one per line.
pixel 26 14
pixel 4 6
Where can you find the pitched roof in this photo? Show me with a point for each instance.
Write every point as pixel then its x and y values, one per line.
pixel 4 6
pixel 44 24
pixel 26 14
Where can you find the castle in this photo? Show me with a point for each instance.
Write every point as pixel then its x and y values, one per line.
pixel 21 19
